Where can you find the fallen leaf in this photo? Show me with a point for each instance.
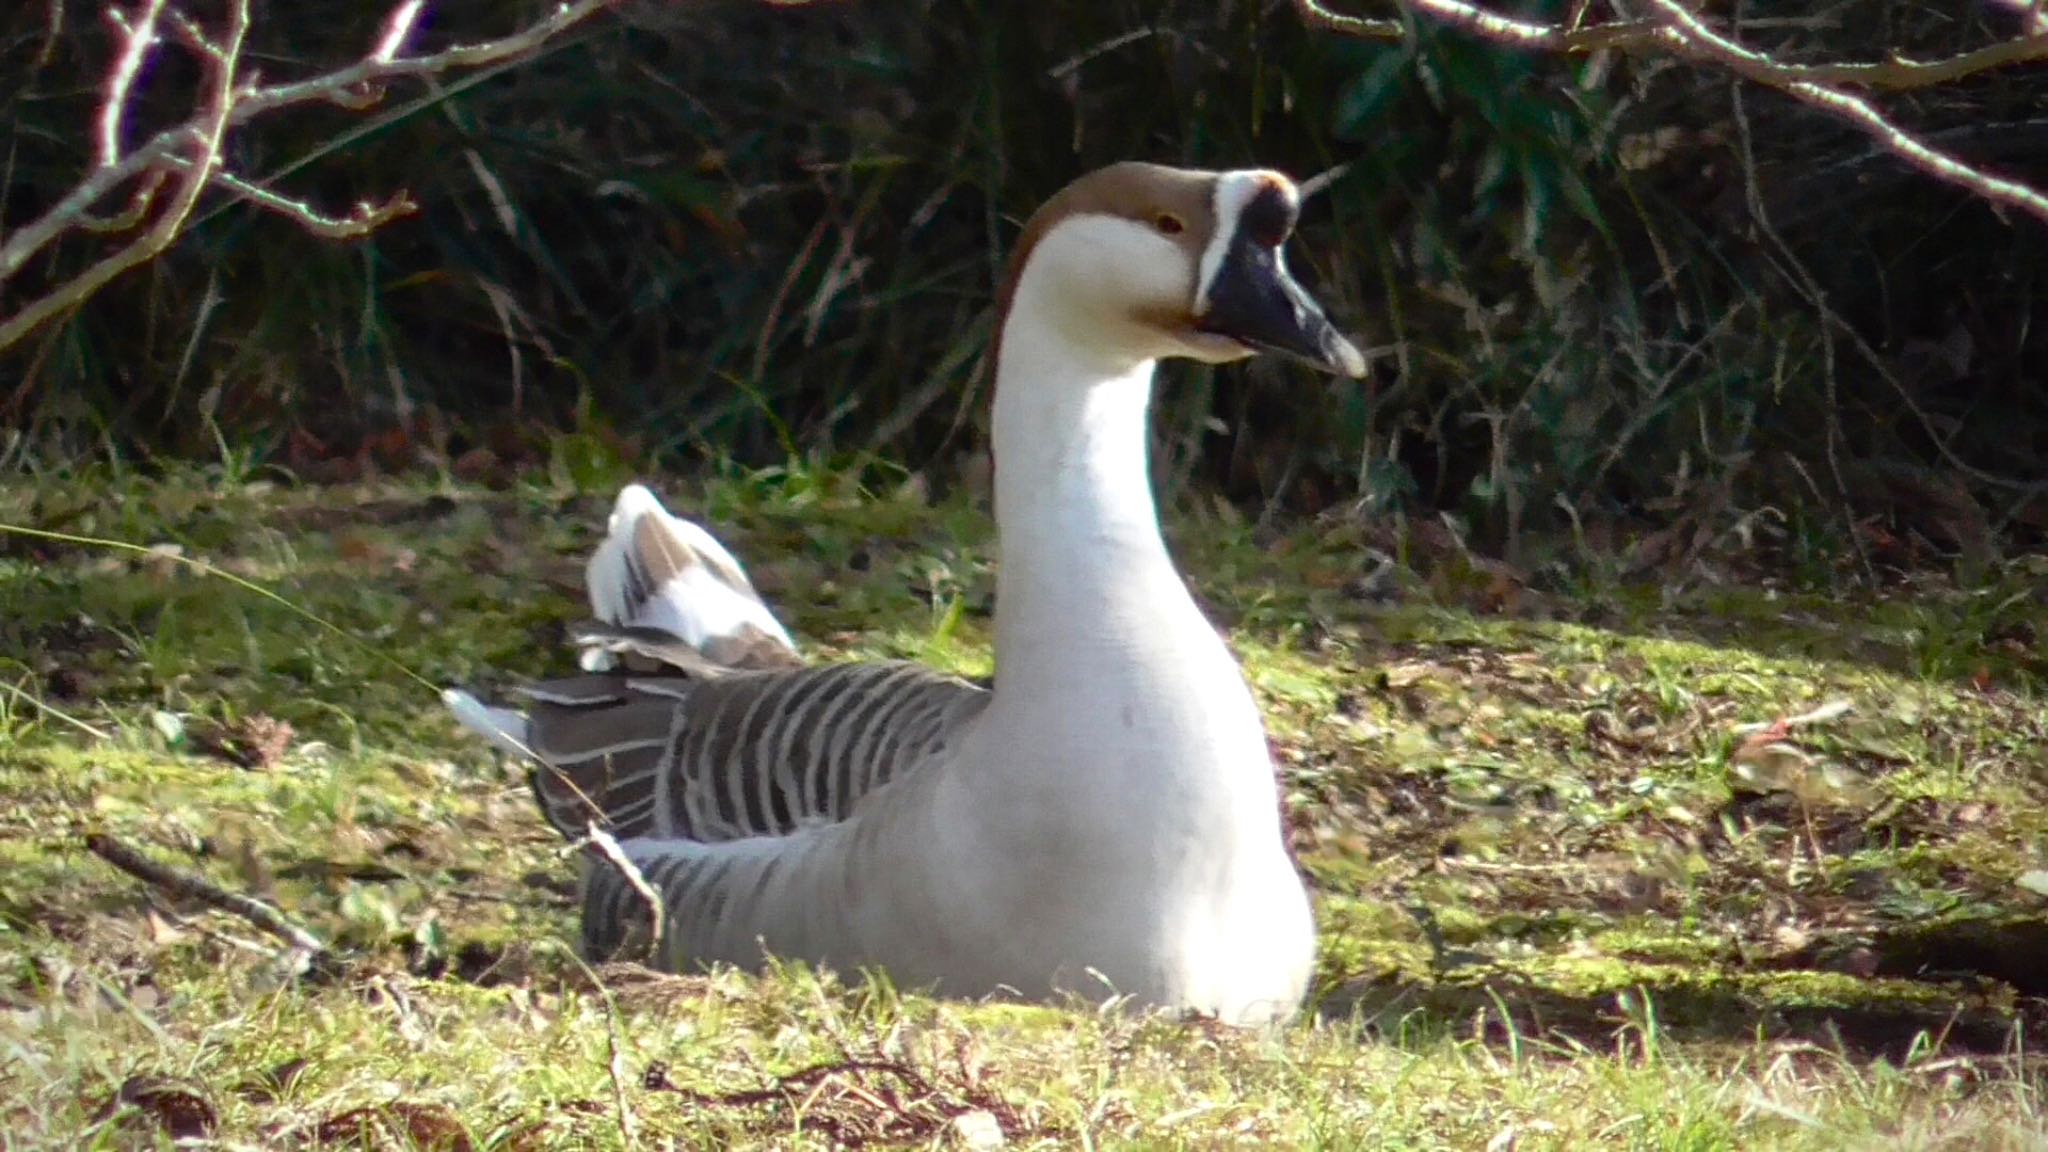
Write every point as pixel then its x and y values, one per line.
pixel 175 1108
pixel 255 741
pixel 1767 765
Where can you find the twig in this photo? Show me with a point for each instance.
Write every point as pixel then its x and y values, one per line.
pixel 207 129
pixel 608 847
pixel 1575 40
pixel 1678 31
pixel 764 343
pixel 188 885
pixel 1832 710
pixel 1072 64
pixel 1700 41
pixel 335 86
pixel 24 242
pixel 615 1060
pixel 137 210
pixel 1513 867
pixel 1574 37
pixel 194 36
pixel 1901 75
pixel 397 27
pixel 193 148
pixel 1317 184
pixel 615 1070
pixel 365 217
pixel 139 35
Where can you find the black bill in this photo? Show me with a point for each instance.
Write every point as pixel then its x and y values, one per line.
pixel 1254 300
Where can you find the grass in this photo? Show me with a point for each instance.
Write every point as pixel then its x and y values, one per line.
pixel 1568 899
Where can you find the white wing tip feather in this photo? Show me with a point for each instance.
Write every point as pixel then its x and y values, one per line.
pixel 605 576
pixel 699 607
pixel 634 501
pixel 503 727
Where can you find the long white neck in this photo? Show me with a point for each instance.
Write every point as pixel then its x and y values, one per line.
pixel 1083 564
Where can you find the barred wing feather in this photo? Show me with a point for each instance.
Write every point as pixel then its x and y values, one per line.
pixel 739 755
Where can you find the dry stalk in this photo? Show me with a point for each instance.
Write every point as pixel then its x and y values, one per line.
pixel 191 886
pixel 608 847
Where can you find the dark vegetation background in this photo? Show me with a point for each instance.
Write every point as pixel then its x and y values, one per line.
pixel 1622 309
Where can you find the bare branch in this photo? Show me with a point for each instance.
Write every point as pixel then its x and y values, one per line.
pixel 1679 32
pixel 336 86
pixel 397 27
pixel 1699 41
pixel 363 219
pixel 1575 38
pixel 1902 75
pixel 138 207
pixel 210 127
pixel 191 151
pixel 193 36
pixel 138 35
pixel 1316 16
pixel 24 242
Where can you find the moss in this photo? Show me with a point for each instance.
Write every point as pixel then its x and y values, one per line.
pixel 1523 834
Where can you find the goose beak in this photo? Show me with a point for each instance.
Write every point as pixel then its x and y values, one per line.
pixel 1253 300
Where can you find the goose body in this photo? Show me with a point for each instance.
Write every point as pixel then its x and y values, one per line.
pixel 1100 823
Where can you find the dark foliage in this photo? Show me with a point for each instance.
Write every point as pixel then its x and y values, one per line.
pixel 1609 292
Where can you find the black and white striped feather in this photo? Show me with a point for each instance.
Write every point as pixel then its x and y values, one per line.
pixel 734 755
pixel 697 723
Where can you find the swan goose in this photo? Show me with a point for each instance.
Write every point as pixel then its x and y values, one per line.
pixel 1099 823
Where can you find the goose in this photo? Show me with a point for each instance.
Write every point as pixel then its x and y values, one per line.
pixel 1101 822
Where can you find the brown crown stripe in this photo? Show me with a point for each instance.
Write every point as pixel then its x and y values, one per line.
pixel 1132 190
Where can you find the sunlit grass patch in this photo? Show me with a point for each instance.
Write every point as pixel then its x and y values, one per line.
pixel 1577 889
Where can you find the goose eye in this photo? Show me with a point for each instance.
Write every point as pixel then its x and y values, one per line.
pixel 1168 224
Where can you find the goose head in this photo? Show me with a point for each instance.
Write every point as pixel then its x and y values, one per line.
pixel 1141 262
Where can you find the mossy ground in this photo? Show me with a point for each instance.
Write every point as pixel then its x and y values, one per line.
pixel 1568 899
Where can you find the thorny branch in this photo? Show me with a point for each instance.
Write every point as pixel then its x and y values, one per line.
pixel 165 175
pixel 1677 30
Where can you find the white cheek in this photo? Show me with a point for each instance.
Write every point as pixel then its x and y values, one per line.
pixel 1119 264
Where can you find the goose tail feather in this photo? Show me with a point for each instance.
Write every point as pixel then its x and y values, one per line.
pixel 658 572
